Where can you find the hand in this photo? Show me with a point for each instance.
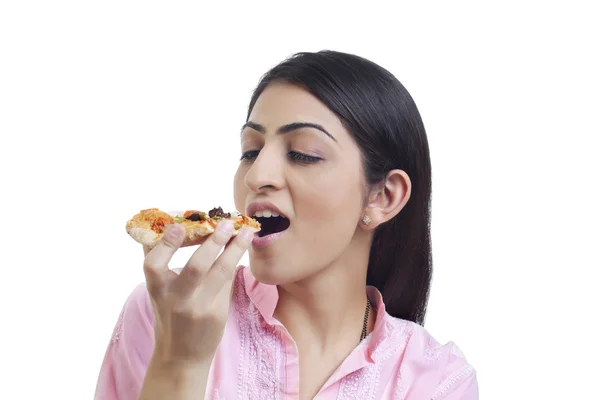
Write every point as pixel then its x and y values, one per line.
pixel 190 309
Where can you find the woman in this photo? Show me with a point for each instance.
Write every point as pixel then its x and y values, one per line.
pixel 335 164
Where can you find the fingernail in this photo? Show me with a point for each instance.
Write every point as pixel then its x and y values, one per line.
pixel 225 226
pixel 247 234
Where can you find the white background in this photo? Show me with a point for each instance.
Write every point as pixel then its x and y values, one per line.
pixel 113 106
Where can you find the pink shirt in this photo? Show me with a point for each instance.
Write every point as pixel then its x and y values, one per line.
pixel 257 358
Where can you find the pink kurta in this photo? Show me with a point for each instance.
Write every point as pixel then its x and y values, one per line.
pixel 258 360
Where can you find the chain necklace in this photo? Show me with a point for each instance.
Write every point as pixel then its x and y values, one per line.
pixel 366 322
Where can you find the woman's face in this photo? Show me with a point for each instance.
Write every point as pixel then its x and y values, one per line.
pixel 300 162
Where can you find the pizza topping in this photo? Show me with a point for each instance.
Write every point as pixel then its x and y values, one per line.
pixel 189 215
pixel 218 213
pixel 159 223
pixel 195 216
pixel 153 218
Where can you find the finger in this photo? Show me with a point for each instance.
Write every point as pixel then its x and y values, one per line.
pixel 221 274
pixel 195 242
pixel 156 263
pixel 202 259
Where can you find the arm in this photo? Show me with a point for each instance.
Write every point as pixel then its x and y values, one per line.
pixel 177 382
pixel 130 371
pixel 168 332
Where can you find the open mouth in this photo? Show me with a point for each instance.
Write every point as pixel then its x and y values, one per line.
pixel 271 223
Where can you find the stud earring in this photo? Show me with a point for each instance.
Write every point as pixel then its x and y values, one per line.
pixel 366 220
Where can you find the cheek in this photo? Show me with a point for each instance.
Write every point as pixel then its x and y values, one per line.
pixel 327 213
pixel 239 189
pixel 333 196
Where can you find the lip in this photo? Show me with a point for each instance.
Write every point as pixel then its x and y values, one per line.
pixel 262 242
pixel 262 206
pixel 265 241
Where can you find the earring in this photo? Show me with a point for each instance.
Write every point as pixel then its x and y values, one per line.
pixel 366 220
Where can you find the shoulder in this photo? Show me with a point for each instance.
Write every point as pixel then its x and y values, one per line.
pixel 136 317
pixel 442 369
pixel 130 349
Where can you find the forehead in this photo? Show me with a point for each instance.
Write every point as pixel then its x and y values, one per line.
pixel 282 103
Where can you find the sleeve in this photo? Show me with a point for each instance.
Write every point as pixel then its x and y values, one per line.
pixel 459 381
pixel 129 351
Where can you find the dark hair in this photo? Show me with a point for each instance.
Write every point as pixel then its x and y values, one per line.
pixel 384 121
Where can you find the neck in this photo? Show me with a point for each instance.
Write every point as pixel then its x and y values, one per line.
pixel 327 310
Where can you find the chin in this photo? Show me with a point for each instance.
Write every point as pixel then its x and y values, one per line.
pixel 273 274
pixel 265 273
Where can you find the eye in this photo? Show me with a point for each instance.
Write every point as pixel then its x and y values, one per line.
pixel 249 155
pixel 303 158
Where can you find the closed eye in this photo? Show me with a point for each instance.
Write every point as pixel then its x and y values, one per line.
pixel 303 158
pixel 249 155
pixel 299 158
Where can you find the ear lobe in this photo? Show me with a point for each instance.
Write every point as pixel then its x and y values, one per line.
pixel 388 199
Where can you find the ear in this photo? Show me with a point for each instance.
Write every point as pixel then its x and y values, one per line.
pixel 386 201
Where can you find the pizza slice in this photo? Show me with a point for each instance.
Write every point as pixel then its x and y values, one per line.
pixel 148 226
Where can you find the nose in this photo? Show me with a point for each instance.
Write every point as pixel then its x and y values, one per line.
pixel 266 171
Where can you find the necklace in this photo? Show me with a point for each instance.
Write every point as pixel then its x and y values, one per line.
pixel 366 322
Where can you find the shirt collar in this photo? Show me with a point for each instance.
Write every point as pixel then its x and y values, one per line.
pixel 265 297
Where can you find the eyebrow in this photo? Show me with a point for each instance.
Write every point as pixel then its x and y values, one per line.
pixel 288 128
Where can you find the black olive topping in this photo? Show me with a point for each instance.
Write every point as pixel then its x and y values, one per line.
pixel 194 217
pixel 218 212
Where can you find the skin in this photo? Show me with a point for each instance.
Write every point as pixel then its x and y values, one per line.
pixel 319 265
pixel 195 302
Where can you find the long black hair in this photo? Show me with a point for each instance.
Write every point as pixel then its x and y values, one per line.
pixel 384 121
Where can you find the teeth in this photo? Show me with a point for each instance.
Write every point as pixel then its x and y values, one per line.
pixel 265 214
